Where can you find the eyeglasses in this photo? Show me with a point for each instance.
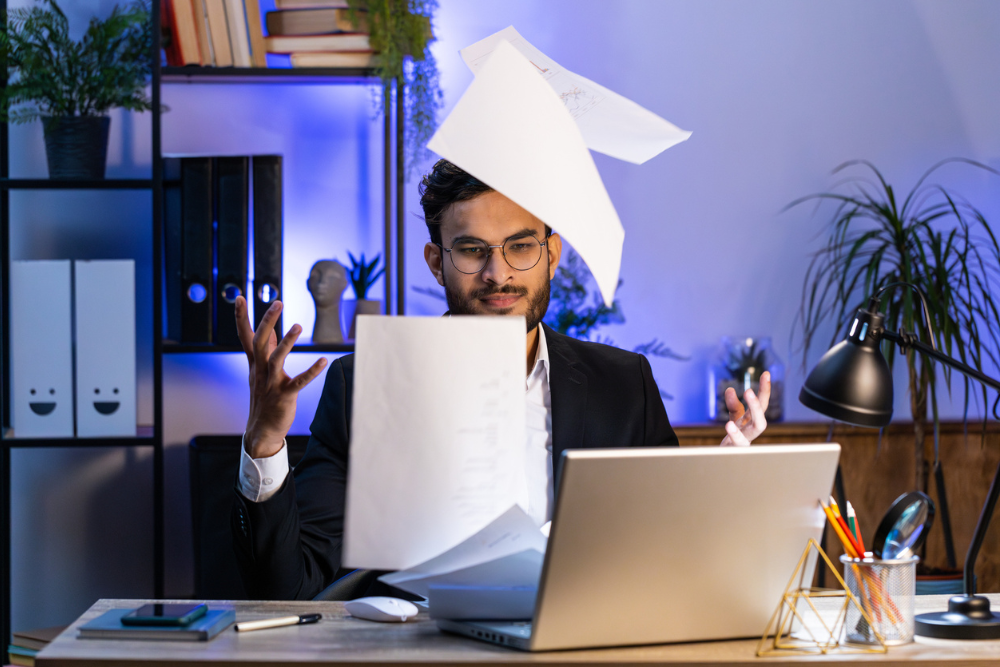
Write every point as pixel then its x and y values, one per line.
pixel 472 255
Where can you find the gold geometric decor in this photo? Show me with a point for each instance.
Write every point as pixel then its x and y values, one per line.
pixel 798 626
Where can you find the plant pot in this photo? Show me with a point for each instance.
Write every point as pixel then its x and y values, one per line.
pixel 76 147
pixel 351 308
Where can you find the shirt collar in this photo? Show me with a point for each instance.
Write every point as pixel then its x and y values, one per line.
pixel 541 355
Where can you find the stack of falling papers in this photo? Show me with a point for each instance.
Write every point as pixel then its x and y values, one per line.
pixel 493 574
pixel 526 126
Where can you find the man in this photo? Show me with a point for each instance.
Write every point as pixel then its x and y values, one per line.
pixel 492 257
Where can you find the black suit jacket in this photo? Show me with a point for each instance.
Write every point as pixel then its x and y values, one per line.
pixel 289 546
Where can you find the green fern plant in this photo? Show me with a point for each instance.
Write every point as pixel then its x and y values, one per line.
pixel 363 275
pixel 933 239
pixel 50 74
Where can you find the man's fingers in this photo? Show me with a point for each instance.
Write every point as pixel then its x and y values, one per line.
pixel 757 422
pixel 308 375
pixel 243 328
pixel 733 404
pixel 277 359
pixel 262 336
pixel 764 393
pixel 735 436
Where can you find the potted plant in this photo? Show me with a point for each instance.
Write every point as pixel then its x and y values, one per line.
pixel 400 34
pixel 931 238
pixel 362 275
pixel 71 85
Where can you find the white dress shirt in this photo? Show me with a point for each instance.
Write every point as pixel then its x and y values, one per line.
pixel 259 479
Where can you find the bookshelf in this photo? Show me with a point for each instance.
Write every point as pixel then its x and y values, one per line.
pixel 151 435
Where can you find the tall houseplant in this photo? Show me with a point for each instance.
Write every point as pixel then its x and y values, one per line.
pixel 933 239
pixel 400 34
pixel 71 85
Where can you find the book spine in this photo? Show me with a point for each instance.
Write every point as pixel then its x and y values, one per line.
pixel 333 43
pixel 238 37
pixel 267 235
pixel 219 28
pixel 310 4
pixel 171 46
pixel 196 264
pixel 187 35
pixel 232 188
pixel 258 50
pixel 201 29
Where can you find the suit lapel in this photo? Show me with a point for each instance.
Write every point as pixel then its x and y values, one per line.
pixel 568 390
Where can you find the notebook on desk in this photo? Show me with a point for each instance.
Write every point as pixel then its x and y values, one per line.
pixel 656 545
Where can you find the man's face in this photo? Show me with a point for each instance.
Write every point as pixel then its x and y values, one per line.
pixel 498 289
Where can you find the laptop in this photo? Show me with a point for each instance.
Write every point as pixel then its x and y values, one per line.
pixel 657 545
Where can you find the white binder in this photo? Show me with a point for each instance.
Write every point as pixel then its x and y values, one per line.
pixel 41 356
pixel 105 348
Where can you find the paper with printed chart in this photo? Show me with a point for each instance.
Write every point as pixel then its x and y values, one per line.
pixel 610 124
pixel 512 131
pixel 437 435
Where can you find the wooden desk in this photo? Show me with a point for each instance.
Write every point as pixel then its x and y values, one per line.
pixel 339 639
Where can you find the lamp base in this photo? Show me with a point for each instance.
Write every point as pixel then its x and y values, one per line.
pixel 968 617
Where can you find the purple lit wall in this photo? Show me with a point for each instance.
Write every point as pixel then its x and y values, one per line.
pixel 777 93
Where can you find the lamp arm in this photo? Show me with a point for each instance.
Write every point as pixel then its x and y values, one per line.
pixel 924 348
pixel 986 515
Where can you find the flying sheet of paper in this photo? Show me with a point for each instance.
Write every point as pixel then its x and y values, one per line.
pixel 610 124
pixel 469 562
pixel 512 131
pixel 437 435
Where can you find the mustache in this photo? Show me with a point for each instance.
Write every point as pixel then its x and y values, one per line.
pixel 503 289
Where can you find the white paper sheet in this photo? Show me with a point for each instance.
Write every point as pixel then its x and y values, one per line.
pixel 437 442
pixel 610 124
pixel 480 559
pixel 512 131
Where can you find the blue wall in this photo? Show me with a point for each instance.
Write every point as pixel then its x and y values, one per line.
pixel 777 93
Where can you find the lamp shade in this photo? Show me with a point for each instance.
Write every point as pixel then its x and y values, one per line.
pixel 852 382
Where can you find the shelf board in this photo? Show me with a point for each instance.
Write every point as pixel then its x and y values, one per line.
pixel 53 184
pixel 170 347
pixel 194 74
pixel 143 438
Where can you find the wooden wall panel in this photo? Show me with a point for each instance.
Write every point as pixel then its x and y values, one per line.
pixel 876 475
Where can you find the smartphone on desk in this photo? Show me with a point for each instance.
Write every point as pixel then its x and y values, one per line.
pixel 165 614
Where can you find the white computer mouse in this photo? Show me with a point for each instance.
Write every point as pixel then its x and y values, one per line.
pixel 383 609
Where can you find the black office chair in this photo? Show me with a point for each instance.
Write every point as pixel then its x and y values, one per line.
pixel 214 461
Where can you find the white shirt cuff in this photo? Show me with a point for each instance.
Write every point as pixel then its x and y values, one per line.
pixel 259 479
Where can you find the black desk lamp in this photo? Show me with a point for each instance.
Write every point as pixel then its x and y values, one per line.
pixel 852 384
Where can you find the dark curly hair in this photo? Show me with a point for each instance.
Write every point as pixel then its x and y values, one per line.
pixel 445 185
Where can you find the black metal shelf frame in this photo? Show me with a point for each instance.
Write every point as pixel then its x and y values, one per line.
pixel 152 436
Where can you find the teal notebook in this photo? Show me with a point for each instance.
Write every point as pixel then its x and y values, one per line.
pixel 109 626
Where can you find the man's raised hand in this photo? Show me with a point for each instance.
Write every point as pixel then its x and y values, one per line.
pixel 273 394
pixel 745 425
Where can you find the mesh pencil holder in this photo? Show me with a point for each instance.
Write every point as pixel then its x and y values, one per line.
pixel 887 591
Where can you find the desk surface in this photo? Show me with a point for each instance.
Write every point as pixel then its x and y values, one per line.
pixel 339 639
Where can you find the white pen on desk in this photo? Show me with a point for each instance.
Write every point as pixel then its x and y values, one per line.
pixel 247 626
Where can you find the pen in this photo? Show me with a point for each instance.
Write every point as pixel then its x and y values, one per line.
pixel 247 626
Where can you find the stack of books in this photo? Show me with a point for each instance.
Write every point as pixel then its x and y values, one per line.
pixel 213 33
pixel 25 645
pixel 319 33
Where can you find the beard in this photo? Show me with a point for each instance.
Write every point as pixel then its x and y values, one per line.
pixel 465 304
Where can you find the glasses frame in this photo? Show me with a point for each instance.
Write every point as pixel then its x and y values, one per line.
pixel 489 253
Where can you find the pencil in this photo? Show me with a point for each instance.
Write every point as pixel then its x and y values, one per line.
pixel 857 526
pixel 851 516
